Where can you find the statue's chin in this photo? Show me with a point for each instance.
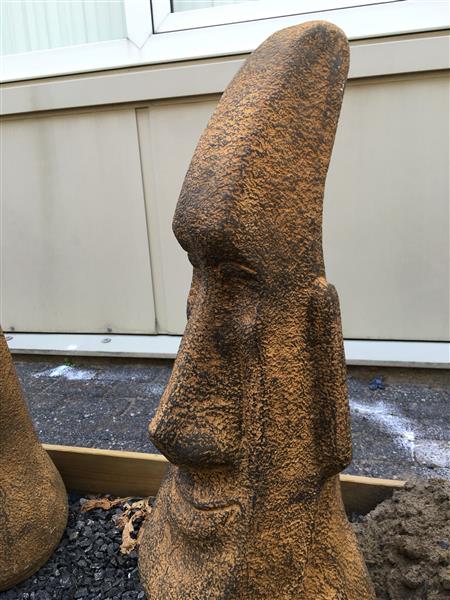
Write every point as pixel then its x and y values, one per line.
pixel 188 552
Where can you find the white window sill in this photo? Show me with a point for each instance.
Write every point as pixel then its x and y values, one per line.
pixel 364 22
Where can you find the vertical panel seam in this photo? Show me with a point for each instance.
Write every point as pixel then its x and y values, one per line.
pixel 138 111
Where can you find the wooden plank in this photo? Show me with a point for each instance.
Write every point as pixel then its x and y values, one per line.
pixel 362 494
pixel 91 470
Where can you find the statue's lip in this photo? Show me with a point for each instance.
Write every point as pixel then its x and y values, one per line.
pixel 210 506
pixel 201 519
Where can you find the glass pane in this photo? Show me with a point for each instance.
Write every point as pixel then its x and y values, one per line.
pixel 39 25
pixel 179 5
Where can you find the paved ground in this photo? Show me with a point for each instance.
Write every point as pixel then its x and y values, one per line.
pixel 400 417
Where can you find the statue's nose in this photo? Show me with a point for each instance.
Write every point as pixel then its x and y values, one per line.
pixel 162 434
pixel 198 421
pixel 183 445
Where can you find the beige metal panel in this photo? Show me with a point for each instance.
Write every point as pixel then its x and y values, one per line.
pixel 75 254
pixel 387 209
pixel 169 134
pixel 386 220
pixel 74 234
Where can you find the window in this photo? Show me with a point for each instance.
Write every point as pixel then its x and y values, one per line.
pixel 39 25
pixel 175 15
pixel 56 37
pixel 180 5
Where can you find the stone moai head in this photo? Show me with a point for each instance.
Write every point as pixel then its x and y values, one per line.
pixel 33 500
pixel 254 420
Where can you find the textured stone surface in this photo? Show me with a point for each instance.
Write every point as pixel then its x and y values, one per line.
pixel 255 417
pixel 33 502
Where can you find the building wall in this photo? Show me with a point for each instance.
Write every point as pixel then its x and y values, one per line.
pixel 91 175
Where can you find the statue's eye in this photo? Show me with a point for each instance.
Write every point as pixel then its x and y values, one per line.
pixel 194 262
pixel 238 271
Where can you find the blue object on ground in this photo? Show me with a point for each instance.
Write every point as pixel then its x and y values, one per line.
pixel 377 384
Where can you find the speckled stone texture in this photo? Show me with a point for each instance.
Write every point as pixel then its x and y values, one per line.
pixel 255 417
pixel 33 500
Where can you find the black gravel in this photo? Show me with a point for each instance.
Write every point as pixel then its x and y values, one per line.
pixel 87 564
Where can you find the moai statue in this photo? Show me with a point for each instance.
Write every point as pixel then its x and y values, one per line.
pixel 255 419
pixel 33 500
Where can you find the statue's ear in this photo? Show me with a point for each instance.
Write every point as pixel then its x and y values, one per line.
pixel 330 408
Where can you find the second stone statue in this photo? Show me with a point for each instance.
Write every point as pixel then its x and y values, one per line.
pixel 33 499
pixel 255 419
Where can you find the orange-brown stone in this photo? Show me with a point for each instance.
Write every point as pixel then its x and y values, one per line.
pixel 33 500
pixel 255 417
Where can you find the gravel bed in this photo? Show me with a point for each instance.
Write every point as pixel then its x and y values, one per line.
pixel 405 541
pixel 87 564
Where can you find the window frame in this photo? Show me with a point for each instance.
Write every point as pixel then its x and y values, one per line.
pixel 139 23
pixel 145 47
pixel 167 21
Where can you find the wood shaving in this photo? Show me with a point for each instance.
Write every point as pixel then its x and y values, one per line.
pixel 130 521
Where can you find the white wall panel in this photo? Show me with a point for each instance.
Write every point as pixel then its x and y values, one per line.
pixel 86 196
pixel 387 209
pixel 73 229
pixel 386 217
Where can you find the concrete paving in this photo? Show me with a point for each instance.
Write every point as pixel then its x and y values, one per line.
pixel 400 417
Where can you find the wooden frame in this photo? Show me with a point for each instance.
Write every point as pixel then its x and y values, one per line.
pixel 92 470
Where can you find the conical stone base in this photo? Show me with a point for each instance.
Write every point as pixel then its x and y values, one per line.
pixel 33 500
